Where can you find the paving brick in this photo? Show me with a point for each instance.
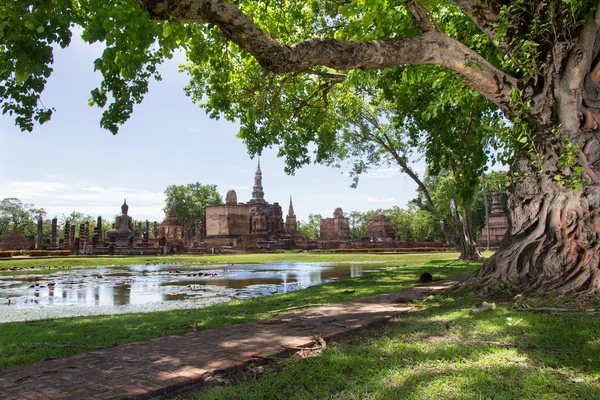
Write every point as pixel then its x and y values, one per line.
pixel 164 365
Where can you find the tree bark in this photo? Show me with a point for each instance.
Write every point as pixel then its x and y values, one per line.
pixel 554 241
pixel 463 233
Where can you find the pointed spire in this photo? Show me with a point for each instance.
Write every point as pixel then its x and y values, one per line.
pixel 291 209
pixel 258 196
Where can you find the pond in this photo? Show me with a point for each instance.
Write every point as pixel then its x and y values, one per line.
pixel 147 288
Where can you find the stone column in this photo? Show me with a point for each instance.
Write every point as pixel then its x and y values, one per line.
pixel 138 234
pixel 40 233
pixel 81 238
pixel 188 236
pixel 66 235
pixel 99 226
pixel 155 231
pixel 72 238
pixel 147 231
pixel 200 231
pixel 53 233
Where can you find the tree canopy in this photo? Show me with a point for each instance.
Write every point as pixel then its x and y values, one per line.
pixel 191 201
pixel 292 74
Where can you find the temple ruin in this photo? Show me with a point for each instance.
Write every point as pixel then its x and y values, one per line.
pixel 336 228
pixel 380 229
pixel 236 224
pixel 498 223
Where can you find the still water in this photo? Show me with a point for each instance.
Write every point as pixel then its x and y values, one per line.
pixel 104 287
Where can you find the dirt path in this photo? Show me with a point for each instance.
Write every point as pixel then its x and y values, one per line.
pixel 162 366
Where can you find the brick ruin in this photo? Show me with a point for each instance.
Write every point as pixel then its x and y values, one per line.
pixel 170 231
pixel 245 224
pixel 380 229
pixel 336 228
pixel 231 227
pixel 498 223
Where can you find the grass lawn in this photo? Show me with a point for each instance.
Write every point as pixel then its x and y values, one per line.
pixel 441 353
pixel 22 342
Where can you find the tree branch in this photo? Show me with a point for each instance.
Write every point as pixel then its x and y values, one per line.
pixel 485 14
pixel 430 47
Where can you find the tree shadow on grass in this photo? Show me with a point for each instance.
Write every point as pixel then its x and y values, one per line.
pixel 442 352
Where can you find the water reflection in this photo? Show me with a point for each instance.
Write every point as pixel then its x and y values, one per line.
pixel 146 284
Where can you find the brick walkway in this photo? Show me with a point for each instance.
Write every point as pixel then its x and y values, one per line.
pixel 165 365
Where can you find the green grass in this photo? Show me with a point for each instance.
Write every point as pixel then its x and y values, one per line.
pixel 127 328
pixel 443 353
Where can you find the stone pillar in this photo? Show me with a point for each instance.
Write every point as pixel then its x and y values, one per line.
pixel 66 236
pixel 155 231
pixel 138 234
pixel 99 226
pixel 81 238
pixel 200 231
pixel 40 233
pixel 72 238
pixel 147 230
pixel 53 233
pixel 95 237
pixel 188 236
pixel 86 233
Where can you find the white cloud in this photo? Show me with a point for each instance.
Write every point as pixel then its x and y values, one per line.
pixel 383 173
pixel 193 130
pixel 375 199
pixel 88 198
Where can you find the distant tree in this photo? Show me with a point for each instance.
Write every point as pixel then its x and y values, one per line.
pixel 17 217
pixel 358 224
pixel 191 200
pixel 312 228
pixel 425 226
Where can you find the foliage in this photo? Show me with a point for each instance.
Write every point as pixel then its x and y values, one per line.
pixel 191 201
pixel 17 217
pixel 312 228
pixel 43 253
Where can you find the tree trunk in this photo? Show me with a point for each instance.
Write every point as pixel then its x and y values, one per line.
pixel 554 242
pixel 463 233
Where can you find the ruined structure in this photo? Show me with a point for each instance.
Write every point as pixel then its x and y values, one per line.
pixel 498 223
pixel 291 225
pixel 336 228
pixel 231 223
pixel 380 229
pixel 122 234
pixel 170 231
pixel 54 234
pixel 14 241
pixel 40 233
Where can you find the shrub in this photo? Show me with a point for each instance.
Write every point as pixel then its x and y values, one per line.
pixel 12 253
pixel 42 253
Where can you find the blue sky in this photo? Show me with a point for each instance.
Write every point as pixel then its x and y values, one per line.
pixel 71 163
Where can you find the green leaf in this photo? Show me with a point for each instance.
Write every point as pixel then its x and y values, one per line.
pixel 21 76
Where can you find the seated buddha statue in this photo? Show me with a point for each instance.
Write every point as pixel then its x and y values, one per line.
pixel 123 230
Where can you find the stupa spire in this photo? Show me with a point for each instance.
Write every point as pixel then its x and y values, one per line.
pixel 291 209
pixel 258 196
